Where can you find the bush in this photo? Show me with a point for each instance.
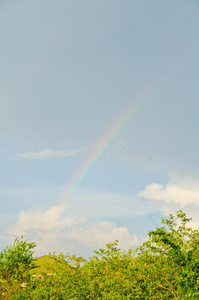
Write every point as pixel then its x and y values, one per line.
pixel 165 267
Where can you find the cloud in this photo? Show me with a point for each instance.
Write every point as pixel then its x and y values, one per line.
pixel 38 222
pixel 78 225
pixel 54 232
pixel 180 193
pixel 101 233
pixel 47 154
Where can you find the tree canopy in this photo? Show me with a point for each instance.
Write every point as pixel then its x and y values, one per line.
pixel 165 266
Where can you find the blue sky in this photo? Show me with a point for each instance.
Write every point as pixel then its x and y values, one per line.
pixel 68 71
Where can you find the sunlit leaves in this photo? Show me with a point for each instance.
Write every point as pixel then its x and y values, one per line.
pixel 166 266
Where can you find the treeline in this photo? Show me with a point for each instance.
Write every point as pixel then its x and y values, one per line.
pixel 166 266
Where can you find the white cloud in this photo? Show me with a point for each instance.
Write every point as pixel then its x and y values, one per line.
pixel 99 234
pixel 48 154
pixel 38 222
pixel 173 193
pixel 75 224
pixel 54 232
pixel 178 193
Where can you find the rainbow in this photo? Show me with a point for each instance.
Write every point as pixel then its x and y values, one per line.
pixel 103 143
pixel 107 138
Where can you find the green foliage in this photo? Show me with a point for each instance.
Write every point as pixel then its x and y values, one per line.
pixel 17 258
pixel 111 274
pixel 15 262
pixel 166 266
pixel 172 256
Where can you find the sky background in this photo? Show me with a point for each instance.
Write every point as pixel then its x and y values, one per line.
pixel 68 72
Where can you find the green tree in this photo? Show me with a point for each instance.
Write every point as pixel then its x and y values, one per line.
pixel 16 261
pixel 112 274
pixel 172 258
pixel 17 258
pixel 165 267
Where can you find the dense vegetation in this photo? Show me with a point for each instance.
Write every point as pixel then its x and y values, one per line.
pixel 166 266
